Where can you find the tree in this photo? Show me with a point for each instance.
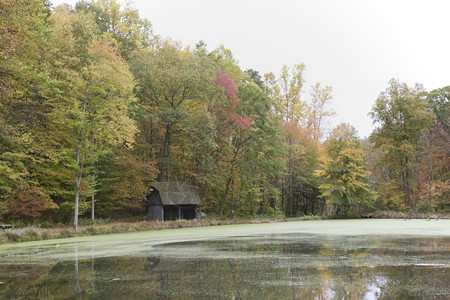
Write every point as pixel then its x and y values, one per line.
pixel 433 154
pixel 119 23
pixel 300 193
pixel 122 181
pixel 172 83
pixel 317 113
pixel 237 125
pixel 103 112
pixel 342 172
pixel 255 77
pixel 285 92
pixel 27 94
pixel 439 101
pixel 250 146
pixel 402 116
pixel 93 109
pixel 261 163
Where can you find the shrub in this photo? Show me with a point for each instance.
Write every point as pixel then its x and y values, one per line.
pixel 90 222
pixel 47 224
pixel 101 221
pixel 143 227
pixel 65 233
pixel 90 230
pixel 115 229
pixel 138 227
pixel 13 235
pixel 31 233
pixel 310 218
pixel 46 235
pixel 18 223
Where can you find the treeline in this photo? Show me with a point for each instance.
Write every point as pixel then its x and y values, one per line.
pixel 95 106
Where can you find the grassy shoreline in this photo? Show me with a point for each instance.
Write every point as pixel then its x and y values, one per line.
pixel 36 233
pixel 104 227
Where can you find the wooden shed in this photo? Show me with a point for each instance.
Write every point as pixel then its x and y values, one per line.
pixel 172 201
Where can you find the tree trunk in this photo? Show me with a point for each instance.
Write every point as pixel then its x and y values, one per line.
pixel 232 199
pixel 78 176
pixel 323 207
pixel 77 201
pixel 163 168
pixel 283 193
pixel 430 167
pixel 251 205
pixel 79 172
pixel 408 197
pixel 225 195
pixel 405 182
pixel 288 201
pixel 230 178
pixel 93 199
pixel 168 158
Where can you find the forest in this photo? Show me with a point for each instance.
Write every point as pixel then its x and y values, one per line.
pixel 95 106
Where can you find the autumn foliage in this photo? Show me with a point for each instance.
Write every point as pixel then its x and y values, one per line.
pixel 231 110
pixel 94 107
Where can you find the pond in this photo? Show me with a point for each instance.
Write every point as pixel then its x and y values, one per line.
pixel 357 259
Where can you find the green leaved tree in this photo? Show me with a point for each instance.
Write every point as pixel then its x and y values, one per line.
pixel 402 117
pixel 27 98
pixel 120 23
pixel 93 110
pixel 173 85
pixel 343 175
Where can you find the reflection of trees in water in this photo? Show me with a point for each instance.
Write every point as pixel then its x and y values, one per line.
pixel 77 277
pixel 347 274
pixel 250 268
pixel 153 262
pixel 22 280
pixel 104 278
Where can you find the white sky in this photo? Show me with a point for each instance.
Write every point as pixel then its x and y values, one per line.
pixel 355 46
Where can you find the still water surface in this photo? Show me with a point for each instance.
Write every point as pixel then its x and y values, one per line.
pixel 298 264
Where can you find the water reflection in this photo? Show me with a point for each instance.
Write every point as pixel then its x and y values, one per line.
pixel 296 266
pixel 77 277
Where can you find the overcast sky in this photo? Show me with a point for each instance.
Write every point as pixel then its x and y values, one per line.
pixel 352 45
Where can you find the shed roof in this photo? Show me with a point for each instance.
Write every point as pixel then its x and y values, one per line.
pixel 177 193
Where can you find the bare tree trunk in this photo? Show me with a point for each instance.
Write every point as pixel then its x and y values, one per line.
pixel 283 193
pixel 79 172
pixel 251 194
pixel 78 176
pixel 288 201
pixel 225 195
pixel 93 199
pixel 77 200
pixel 230 178
pixel 407 182
pixel 164 168
pixel 168 159
pixel 232 199
pixel 323 207
pixel 306 205
pixel 430 167
pixel 405 188
pixel 251 205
